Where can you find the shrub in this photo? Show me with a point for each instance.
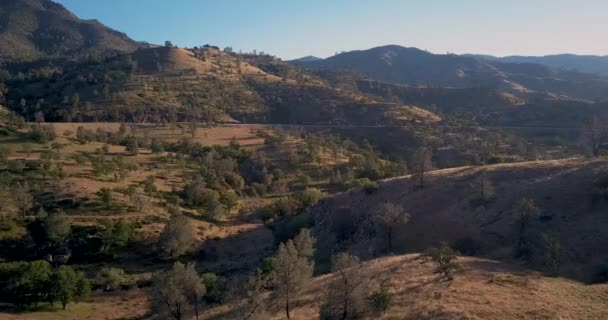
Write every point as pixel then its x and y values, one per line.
pixel 42 133
pixel 381 299
pixel 444 256
pixel 308 197
pixel 365 184
pixel 111 278
pixel 217 288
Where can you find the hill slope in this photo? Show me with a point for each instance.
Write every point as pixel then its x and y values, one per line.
pixel 31 29
pixel 205 84
pixel 484 290
pixel 569 194
pixel 417 67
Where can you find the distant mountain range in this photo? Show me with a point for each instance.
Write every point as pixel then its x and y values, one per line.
pixel 72 69
pixel 417 67
pixel 33 29
pixel 571 62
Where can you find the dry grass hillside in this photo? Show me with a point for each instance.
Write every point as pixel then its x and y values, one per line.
pixel 483 290
pixel 569 194
pixel 206 84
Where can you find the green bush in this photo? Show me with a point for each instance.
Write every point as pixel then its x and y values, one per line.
pixel 217 288
pixel 381 299
pixel 365 184
pixel 111 279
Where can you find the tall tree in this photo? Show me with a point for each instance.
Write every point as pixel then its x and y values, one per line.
pixel 421 163
pixel 293 271
pixel 347 292
pixel 523 213
pixel 594 135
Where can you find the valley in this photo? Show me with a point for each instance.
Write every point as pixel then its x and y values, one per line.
pixel 163 181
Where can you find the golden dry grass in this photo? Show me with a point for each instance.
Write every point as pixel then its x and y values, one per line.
pixel 483 290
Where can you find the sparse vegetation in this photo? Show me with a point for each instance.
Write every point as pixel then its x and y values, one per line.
pixel 199 183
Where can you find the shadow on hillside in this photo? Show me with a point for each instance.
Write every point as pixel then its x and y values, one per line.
pixel 238 252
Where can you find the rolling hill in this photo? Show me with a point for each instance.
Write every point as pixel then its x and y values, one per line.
pixel 34 29
pixel 206 84
pixel 421 68
pixel 569 194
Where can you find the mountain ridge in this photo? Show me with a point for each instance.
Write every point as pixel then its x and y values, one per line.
pixel 34 29
pixel 413 66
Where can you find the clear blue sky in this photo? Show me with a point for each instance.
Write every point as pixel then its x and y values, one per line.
pixel 294 28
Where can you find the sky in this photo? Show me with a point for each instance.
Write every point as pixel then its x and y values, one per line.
pixel 294 28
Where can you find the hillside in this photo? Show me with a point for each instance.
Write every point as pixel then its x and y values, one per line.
pixel 569 194
pixel 485 289
pixel 420 68
pixel 32 29
pixel 206 84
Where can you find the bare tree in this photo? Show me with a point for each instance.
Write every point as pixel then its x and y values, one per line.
pixel 387 218
pixel 594 135
pixel 255 295
pixel 523 213
pixel 168 295
pixel 347 292
pixel 486 189
pixel 293 271
pixel 421 163
pixel 177 237
pixel 193 288
pixel 7 204
pixel 22 197
pixel 305 244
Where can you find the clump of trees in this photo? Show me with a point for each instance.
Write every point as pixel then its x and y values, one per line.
pixel 42 133
pixel 28 283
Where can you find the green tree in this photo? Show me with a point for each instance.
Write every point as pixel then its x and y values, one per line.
pixel 68 285
pixel 308 197
pixel 57 227
pixel 229 200
pixel 178 236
